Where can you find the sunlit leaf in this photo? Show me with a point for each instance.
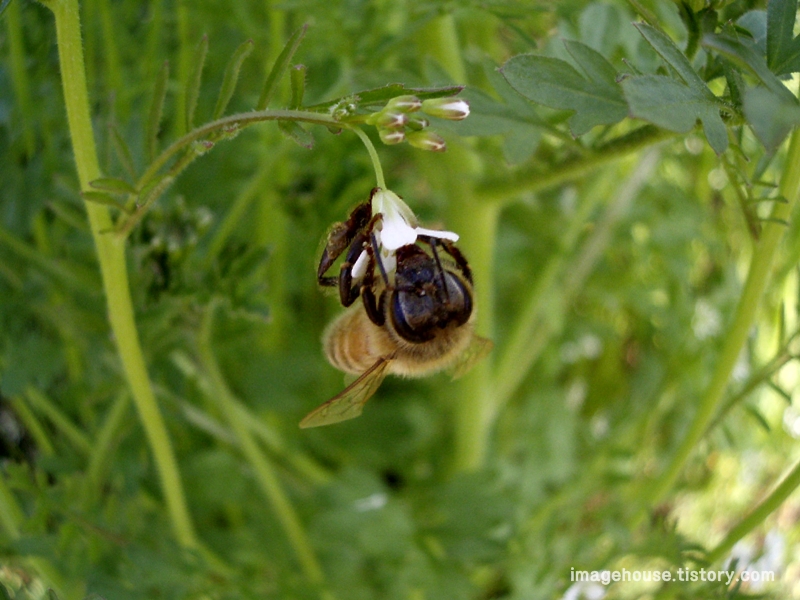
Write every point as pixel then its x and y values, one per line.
pixel 594 96
pixel 672 105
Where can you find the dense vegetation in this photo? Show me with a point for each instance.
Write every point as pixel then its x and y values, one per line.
pixel 625 191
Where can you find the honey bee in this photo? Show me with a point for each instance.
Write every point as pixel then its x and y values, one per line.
pixel 413 321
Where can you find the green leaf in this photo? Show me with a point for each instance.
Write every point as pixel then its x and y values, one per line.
pixel 668 103
pixel 113 185
pixel 193 83
pixel 783 51
pixel 667 49
pixel 105 199
pixel 770 115
pixel 596 98
pixel 3 5
pixel 293 130
pixel 380 96
pixel 122 150
pixel 231 77
pixel 156 109
pixel 297 77
pixel 743 52
pixel 281 64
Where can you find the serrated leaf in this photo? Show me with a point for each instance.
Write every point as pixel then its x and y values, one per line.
pixel 280 66
pixel 596 98
pixel 293 130
pixel 755 22
pixel 671 105
pixel 743 52
pixel 783 51
pixel 113 185
pixel 231 77
pixel 195 78
pixel 381 95
pixel 156 110
pixel 771 116
pixel 667 50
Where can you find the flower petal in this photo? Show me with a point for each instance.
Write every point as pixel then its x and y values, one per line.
pixel 436 233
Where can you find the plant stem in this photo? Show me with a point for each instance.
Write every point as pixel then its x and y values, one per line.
pixel 764 508
pixel 757 277
pixel 263 469
pixel 504 189
pixel 111 255
pixel 373 155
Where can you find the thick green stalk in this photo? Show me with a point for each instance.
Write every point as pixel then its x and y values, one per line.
pixel 757 278
pixel 111 255
pixel 264 472
pixel 758 514
pixel 474 393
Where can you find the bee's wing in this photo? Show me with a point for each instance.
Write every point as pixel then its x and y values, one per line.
pixel 349 403
pixel 478 348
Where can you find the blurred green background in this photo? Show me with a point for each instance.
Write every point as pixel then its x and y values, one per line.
pixel 607 277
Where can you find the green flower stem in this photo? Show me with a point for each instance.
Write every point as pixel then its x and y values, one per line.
pixel 373 155
pixel 154 184
pixel 235 122
pixel 764 508
pixel 744 317
pixel 263 469
pixel 111 255
pixel 505 189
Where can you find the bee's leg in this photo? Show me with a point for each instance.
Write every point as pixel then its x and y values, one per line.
pixel 460 259
pixel 347 291
pixel 373 306
pixel 339 238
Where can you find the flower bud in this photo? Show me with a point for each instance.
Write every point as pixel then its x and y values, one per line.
pixel 427 140
pixel 405 104
pixel 417 123
pixel 391 119
pixel 452 109
pixel 391 136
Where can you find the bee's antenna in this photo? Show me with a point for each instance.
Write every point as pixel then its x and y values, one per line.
pixel 377 254
pixel 432 242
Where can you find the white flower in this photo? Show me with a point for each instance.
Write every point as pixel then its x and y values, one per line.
pixel 398 224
